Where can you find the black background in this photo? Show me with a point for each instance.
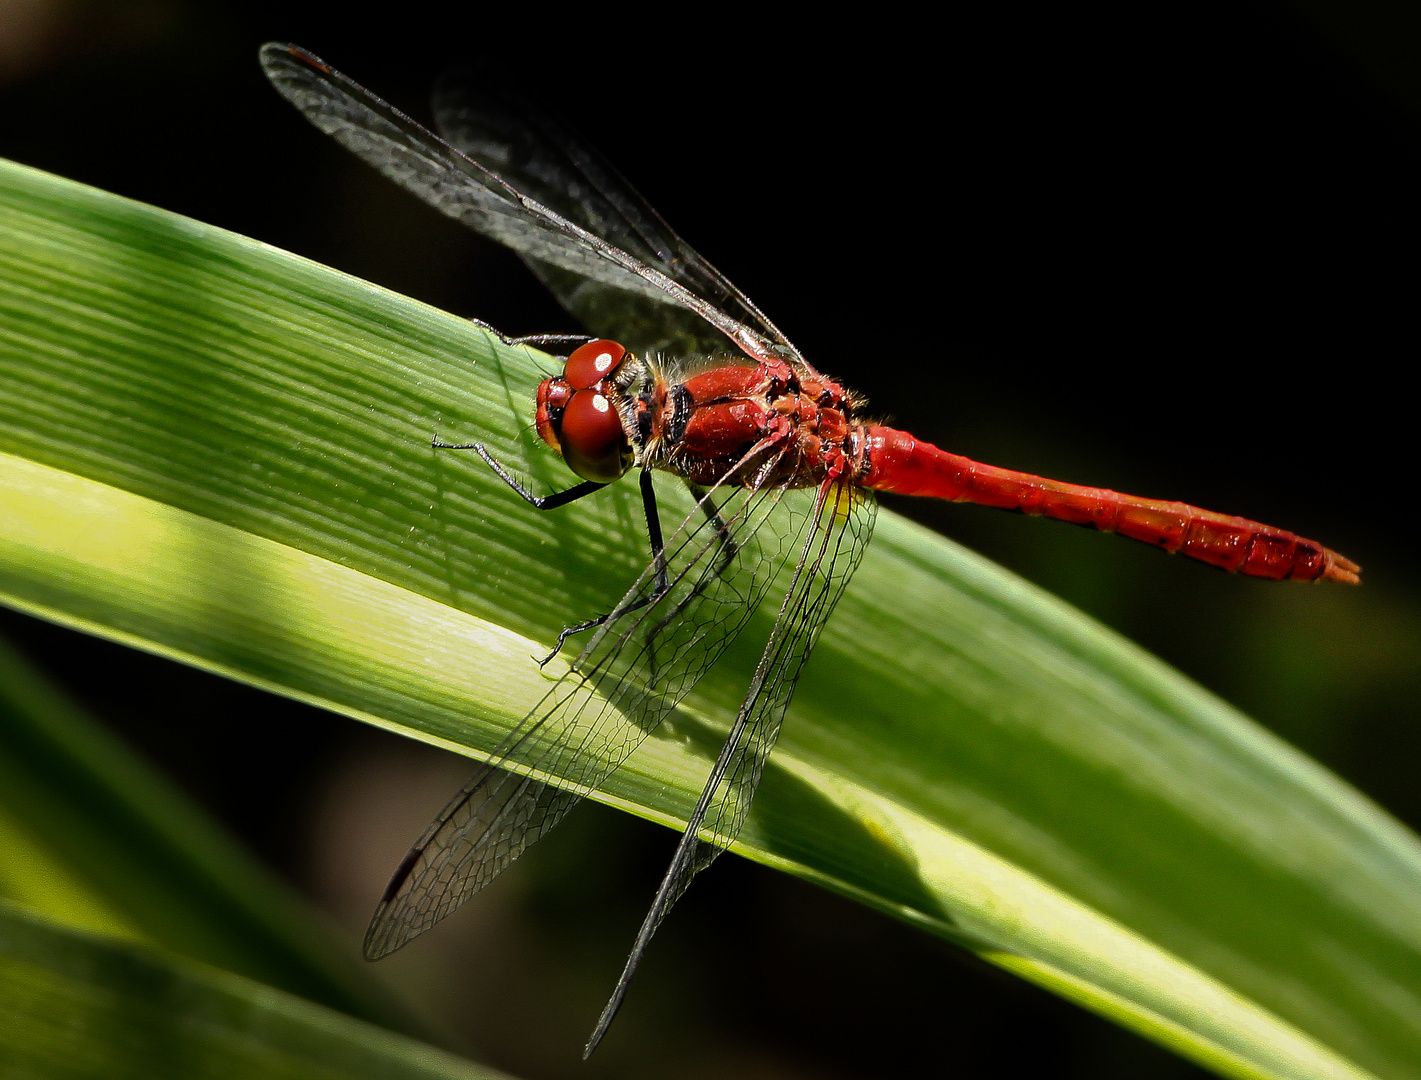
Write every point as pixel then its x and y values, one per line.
pixel 1167 250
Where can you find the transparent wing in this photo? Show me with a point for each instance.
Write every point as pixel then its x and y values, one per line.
pixel 842 521
pixel 509 134
pixel 466 190
pixel 638 666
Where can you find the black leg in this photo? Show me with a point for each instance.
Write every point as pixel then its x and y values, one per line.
pixel 658 558
pixel 541 502
pixel 551 339
pixel 728 550
pixel 535 339
pixel 653 530
pixel 567 632
pixel 728 547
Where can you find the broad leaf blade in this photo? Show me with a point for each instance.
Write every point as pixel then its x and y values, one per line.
pixel 250 431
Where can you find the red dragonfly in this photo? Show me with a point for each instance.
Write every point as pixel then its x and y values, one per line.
pixel 777 456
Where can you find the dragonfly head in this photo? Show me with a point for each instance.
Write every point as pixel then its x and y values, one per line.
pixel 578 416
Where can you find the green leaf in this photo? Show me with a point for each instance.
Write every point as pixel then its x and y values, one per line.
pixel 91 836
pixel 220 452
pixel 76 1005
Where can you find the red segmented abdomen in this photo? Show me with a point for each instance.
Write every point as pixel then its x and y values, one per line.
pixel 895 461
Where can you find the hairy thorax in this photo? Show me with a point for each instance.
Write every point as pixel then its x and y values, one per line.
pixel 709 424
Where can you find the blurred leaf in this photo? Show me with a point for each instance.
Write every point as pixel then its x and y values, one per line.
pixel 91 836
pixel 219 452
pixel 75 1005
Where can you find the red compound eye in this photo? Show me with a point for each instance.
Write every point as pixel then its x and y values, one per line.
pixel 591 363
pixel 553 396
pixel 593 442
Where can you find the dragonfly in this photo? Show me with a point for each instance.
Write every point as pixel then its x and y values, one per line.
pixel 779 459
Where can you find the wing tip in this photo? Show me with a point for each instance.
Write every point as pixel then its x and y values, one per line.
pixel 279 51
pixel 604 1022
pixel 380 938
pixel 377 950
